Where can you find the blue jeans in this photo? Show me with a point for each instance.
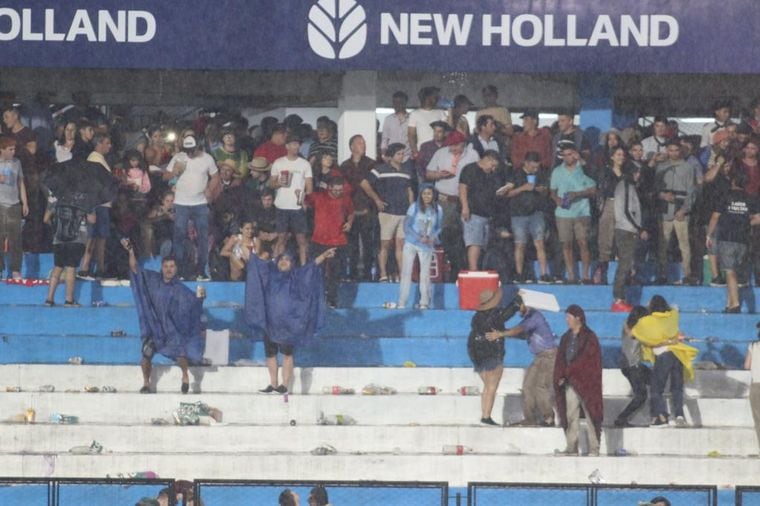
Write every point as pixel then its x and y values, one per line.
pixel 199 215
pixel 666 366
pixel 426 257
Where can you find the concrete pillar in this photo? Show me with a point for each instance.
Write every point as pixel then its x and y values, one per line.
pixel 356 111
pixel 597 95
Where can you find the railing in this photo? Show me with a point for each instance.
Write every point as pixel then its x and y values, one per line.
pixel 747 496
pixel 77 491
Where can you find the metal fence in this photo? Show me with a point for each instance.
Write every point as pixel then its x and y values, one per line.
pixel 487 494
pixel 366 493
pixel 75 491
pixel 747 496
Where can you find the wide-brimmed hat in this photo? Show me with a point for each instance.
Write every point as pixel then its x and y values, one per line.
pixel 259 164
pixel 489 299
pixel 227 163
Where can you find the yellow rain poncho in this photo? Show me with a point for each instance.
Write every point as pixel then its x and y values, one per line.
pixel 660 329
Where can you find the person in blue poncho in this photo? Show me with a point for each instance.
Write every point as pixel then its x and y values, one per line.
pixel 287 304
pixel 170 317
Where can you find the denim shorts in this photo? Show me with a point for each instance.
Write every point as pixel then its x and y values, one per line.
pixel 731 255
pixel 532 225
pixel 475 231
pixel 101 229
pixel 290 220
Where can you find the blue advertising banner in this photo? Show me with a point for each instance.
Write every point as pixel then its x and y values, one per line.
pixel 529 36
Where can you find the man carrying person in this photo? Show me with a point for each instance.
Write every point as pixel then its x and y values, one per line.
pixel 537 403
pixel 292 178
pixel 170 317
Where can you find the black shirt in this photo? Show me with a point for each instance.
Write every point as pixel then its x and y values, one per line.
pixel 481 188
pixel 736 210
pixel 527 203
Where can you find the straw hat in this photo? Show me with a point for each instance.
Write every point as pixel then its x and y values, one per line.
pixel 259 164
pixel 489 299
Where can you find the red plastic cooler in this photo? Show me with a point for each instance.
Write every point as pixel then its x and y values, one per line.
pixel 471 283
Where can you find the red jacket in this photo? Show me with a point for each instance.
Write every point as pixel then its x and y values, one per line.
pixel 330 214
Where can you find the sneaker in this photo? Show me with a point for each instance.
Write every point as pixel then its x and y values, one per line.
pixel 621 306
pixel 518 279
pixel 268 390
pixel 49 303
pixel 71 303
pixel 587 281
pixel 659 421
pixel 681 422
pixel 718 281
pixel 202 277
pixel 145 390
pixel 488 421
pixel 559 280
pixel 332 305
pixel 732 310
pixel 85 275
pixel 622 424
pixel 282 389
pixel 545 280
pixel 690 281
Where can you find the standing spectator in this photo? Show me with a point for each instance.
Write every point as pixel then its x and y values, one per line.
pixel 429 148
pixel 456 117
pixel 158 152
pixel 292 309
pixel 396 125
pixel 486 349
pixel 748 163
pixel 528 196
pixel 607 182
pixel 170 317
pixel 195 171
pixel 333 219
pixel 734 216
pixel 318 496
pixel 239 247
pixel 532 138
pixel 570 191
pixel 752 364
pixel 655 146
pixel 65 143
pixel 634 371
pixel 100 231
pixel 478 187
pixel 491 108
pixel 567 131
pixel 389 186
pixel 274 148
pixel 230 151
pixel 13 207
pixel 265 216
pixel 661 339
pixel 601 155
pixel 306 132
pixel 676 188
pixel 259 171
pixel 537 390
pixel 578 382
pixel 716 187
pixel 327 132
pixel 484 137
pixel 15 129
pixel 292 179
pixel 444 170
pixel 422 226
pixel 722 118
pixel 629 229
pixel 362 240
pixel 83 144
pixel 420 119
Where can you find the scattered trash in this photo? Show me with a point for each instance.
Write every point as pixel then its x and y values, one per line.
pixel 196 413
pixel 94 448
pixel 292 423
pixel 335 419
pixel 338 390
pixel 72 391
pixel 596 477
pixel 373 389
pixel 29 415
pixel 118 333
pixel 46 388
pixel 622 452
pixel 91 389
pixel 27 282
pixel 108 390
pixel 469 390
pixel 12 389
pixel 324 449
pixel 409 363
pixel 76 360
pixel 140 475
pixel 429 390
pixel 99 303
pixel 456 449
pixel 64 419
pixel 390 305
pixel 159 421
pixel 713 454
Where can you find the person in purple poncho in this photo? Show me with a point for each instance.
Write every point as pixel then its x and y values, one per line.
pixel 170 317
pixel 287 304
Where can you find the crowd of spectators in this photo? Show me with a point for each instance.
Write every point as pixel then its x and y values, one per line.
pixel 213 190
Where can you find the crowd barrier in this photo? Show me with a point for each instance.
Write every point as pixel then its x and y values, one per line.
pixel 747 496
pixel 128 492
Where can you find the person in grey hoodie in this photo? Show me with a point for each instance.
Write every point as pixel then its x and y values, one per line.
pixel 676 189
pixel 629 230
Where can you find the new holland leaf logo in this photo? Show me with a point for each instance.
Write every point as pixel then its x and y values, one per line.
pixel 337 29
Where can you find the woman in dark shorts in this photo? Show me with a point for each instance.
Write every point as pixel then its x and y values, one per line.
pixel 487 354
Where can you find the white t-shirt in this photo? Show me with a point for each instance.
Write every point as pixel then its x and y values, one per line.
pixel 299 170
pixel 194 180
pixel 754 351
pixel 421 119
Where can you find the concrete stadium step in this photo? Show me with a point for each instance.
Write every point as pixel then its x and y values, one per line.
pixel 401 409
pixel 308 380
pixel 456 470
pixel 373 295
pixel 398 440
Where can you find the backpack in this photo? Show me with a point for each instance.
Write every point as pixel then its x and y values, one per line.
pixel 68 221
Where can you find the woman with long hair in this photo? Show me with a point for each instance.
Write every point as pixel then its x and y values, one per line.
pixel 607 181
pixel 64 144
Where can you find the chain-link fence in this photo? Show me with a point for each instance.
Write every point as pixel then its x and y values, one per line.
pixel 240 493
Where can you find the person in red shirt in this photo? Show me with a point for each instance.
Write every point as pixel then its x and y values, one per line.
pixel 532 138
pixel 274 148
pixel 333 218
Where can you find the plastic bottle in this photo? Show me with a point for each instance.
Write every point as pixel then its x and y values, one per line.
pixel 335 420
pixel 456 449
pixel 428 390
pixel 76 360
pixel 565 201
pixel 469 390
pixel 338 390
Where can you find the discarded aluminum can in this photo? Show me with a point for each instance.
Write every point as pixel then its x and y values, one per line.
pixel 200 291
pixel 30 415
